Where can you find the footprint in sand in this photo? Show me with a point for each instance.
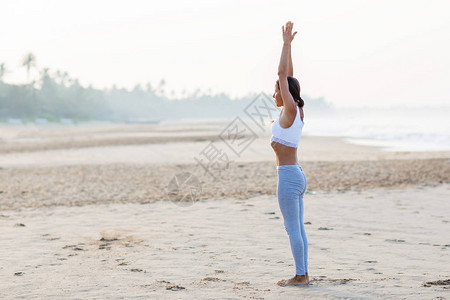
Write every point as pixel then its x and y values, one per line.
pixel 47 237
pixel 444 283
pixel 395 241
pixel 325 228
pixel 241 285
pixel 137 270
pixel 215 279
pixel 112 234
pixel 74 247
pixel 175 287
pixel 168 285
pixel 338 281
pixel 104 247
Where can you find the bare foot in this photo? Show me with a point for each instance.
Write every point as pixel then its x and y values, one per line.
pixel 296 280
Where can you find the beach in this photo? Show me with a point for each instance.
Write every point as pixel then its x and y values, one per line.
pixel 99 211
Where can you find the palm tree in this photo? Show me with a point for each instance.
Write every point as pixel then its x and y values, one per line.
pixel 44 72
pixel 62 76
pixel 29 61
pixel 161 85
pixel 2 70
pixel 45 76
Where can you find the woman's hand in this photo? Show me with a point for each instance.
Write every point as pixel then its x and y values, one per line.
pixel 287 32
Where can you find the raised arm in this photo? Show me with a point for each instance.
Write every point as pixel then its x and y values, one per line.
pixel 284 69
pixel 291 70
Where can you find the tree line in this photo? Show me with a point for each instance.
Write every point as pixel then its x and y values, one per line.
pixel 53 96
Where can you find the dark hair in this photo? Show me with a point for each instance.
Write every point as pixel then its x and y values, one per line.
pixel 294 89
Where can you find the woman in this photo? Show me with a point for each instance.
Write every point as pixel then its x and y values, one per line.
pixel 286 132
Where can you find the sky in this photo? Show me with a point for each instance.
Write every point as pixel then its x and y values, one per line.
pixel 352 53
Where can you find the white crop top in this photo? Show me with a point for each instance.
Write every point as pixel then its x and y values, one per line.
pixel 287 136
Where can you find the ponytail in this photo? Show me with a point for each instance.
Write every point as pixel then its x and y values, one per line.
pixel 294 89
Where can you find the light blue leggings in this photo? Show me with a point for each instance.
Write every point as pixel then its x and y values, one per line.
pixel 290 190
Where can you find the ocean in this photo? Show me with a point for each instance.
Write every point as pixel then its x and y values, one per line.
pixel 393 129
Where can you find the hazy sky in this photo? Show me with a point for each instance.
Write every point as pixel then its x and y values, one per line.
pixel 350 52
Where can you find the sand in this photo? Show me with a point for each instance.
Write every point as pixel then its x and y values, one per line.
pixel 376 243
pixel 142 183
pixel 91 211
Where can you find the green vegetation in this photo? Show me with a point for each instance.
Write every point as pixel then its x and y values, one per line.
pixel 55 96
